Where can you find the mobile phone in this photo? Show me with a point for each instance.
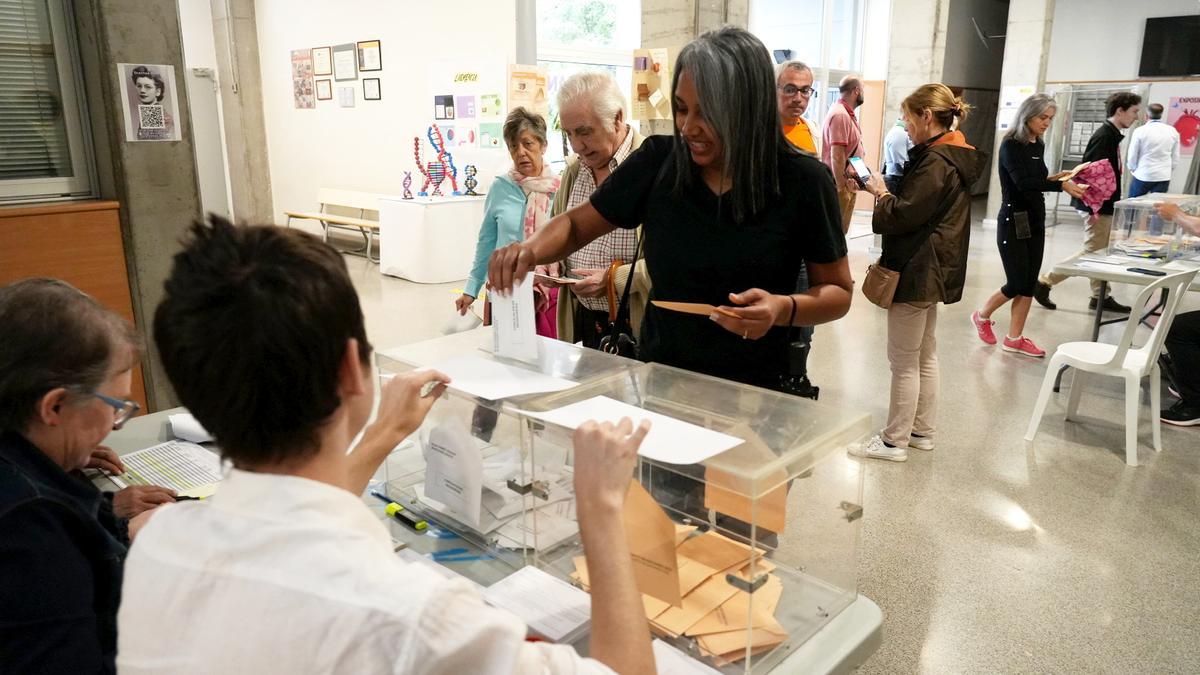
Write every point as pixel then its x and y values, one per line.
pixel 1143 270
pixel 862 173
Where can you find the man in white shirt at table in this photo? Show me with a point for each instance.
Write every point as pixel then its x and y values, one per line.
pixel 285 569
pixel 1153 154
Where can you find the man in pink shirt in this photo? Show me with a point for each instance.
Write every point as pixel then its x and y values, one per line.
pixel 841 140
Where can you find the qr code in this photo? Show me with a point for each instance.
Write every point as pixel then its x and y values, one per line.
pixel 151 117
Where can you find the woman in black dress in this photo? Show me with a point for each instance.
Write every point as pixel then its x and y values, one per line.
pixel 1021 223
pixel 730 211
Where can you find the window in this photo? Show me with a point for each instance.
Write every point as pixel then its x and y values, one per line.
pixel 578 35
pixel 44 151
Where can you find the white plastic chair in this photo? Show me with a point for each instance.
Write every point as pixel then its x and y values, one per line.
pixel 1120 360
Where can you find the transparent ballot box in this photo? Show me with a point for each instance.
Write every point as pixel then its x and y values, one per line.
pixel 742 555
pixel 467 471
pixel 1139 231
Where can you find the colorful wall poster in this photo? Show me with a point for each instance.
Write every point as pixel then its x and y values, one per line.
pixel 490 106
pixel 491 135
pixel 303 89
pixel 651 84
pixel 1183 113
pixel 443 107
pixel 527 88
pixel 464 107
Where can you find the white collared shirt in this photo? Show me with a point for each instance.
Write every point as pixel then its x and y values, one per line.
pixel 285 574
pixel 1153 151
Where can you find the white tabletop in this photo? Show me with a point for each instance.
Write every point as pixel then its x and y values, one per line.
pixel 1115 269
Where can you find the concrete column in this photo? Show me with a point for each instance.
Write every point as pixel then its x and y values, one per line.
pixel 155 182
pixel 527 32
pixel 671 23
pixel 236 38
pixel 1026 54
pixel 917 51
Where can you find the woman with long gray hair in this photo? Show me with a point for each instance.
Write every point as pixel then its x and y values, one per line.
pixel 1021 223
pixel 729 211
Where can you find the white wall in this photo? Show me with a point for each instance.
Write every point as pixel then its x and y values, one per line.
pixel 196 28
pixel 1102 39
pixel 877 39
pixel 370 146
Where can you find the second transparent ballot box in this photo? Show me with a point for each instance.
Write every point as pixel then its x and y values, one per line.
pixel 743 515
pixel 466 471
pixel 1138 230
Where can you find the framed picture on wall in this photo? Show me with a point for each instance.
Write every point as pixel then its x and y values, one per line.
pixel 345 63
pixel 369 57
pixel 324 90
pixel 371 89
pixel 322 60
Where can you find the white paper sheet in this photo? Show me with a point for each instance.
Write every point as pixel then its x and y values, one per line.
pixel 185 426
pixel 493 380
pixel 544 531
pixel 512 315
pixel 182 466
pixel 670 440
pixel 671 661
pixel 454 470
pixel 551 607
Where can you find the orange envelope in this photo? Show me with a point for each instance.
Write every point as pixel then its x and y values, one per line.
pixel 744 610
pixel 692 574
pixel 768 511
pixel 715 551
pixel 696 605
pixel 731 645
pixel 682 532
pixel 651 537
pixel 701 308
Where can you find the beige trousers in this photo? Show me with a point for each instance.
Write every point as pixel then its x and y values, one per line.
pixel 912 351
pixel 846 201
pixel 1095 238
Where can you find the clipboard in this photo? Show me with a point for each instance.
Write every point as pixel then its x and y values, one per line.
pixel 700 308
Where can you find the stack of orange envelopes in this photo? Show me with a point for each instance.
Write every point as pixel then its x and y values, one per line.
pixel 727 623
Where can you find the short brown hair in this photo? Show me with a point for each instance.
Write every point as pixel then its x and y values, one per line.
pixel 1122 100
pixel 252 332
pixel 519 119
pixel 54 335
pixel 938 99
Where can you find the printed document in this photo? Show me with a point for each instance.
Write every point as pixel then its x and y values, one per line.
pixel 551 607
pixel 512 315
pixel 454 470
pixel 493 380
pixel 186 468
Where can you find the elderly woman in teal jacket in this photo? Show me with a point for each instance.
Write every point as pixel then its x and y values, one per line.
pixel 518 203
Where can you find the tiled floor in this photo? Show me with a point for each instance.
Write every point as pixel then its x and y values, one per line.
pixel 987 555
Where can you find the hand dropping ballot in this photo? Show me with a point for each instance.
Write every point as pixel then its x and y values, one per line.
pixel 512 316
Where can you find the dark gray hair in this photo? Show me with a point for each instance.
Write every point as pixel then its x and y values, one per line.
pixel 520 119
pixel 1030 108
pixel 736 87
pixel 599 89
pixel 54 335
pixel 791 65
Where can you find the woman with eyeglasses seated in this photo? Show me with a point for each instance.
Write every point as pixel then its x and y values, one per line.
pixel 65 376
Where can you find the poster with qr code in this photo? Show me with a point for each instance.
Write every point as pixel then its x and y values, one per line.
pixel 150 101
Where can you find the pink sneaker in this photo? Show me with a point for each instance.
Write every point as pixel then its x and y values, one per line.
pixel 984 328
pixel 1023 345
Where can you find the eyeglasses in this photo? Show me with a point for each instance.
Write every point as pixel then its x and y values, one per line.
pixel 791 90
pixel 124 409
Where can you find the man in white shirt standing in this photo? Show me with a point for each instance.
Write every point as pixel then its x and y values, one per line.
pixel 1153 154
pixel 286 569
pixel 896 145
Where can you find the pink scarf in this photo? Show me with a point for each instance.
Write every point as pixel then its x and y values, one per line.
pixel 1101 182
pixel 539 193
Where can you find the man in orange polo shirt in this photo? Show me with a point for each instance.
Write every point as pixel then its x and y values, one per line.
pixel 794 87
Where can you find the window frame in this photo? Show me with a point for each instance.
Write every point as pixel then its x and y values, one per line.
pixel 68 67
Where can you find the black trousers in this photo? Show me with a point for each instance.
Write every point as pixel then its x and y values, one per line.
pixel 1183 344
pixel 1022 258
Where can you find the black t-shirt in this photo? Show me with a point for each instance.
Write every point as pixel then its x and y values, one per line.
pixel 695 252
pixel 1023 179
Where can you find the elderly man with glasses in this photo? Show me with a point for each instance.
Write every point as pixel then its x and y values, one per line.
pixel 66 371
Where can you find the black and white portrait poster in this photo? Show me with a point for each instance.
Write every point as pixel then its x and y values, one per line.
pixel 150 101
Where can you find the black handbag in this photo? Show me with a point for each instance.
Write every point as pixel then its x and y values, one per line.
pixel 620 339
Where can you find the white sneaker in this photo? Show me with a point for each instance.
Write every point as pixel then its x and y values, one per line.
pixel 876 449
pixel 920 442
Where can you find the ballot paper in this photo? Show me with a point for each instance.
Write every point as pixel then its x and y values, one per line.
pixel 186 427
pixel 670 440
pixel 552 608
pixel 651 537
pixel 454 470
pixel 670 661
pixel 512 315
pixel 698 308
pixel 493 380
pixel 186 468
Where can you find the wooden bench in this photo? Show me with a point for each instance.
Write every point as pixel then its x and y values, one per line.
pixel 347 200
